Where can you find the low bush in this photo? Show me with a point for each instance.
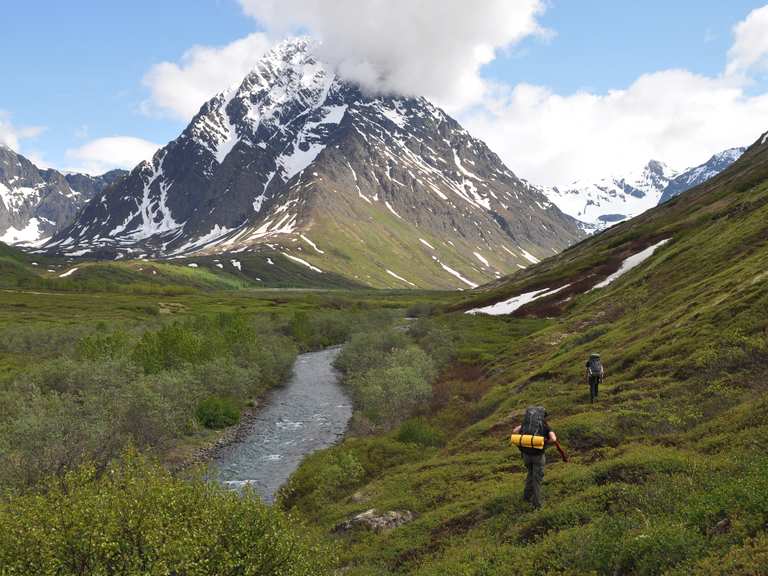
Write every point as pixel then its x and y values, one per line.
pixel 366 351
pixel 146 389
pixel 137 519
pixel 418 431
pixel 216 413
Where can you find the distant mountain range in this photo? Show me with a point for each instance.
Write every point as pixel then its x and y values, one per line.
pixel 614 199
pixel 297 163
pixel 36 203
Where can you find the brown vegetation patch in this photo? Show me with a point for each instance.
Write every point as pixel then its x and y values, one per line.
pixel 466 381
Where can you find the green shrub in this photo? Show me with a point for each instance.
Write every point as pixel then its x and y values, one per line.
pixel 587 430
pixel 387 395
pixel 171 347
pixel 98 346
pixel 417 431
pixel 657 547
pixel 420 310
pixel 216 413
pixel 137 519
pixel 367 351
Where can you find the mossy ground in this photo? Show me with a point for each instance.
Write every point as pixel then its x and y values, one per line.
pixel 668 469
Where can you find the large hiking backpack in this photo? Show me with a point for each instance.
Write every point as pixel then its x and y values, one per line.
pixel 595 366
pixel 534 423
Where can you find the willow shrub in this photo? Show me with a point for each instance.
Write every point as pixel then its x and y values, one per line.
pixel 135 518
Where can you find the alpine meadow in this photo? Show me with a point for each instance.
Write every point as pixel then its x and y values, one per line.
pixel 420 288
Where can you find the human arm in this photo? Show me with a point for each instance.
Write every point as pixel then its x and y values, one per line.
pixel 551 437
pixel 517 429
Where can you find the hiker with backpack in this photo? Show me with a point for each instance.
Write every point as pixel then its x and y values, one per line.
pixel 595 374
pixel 532 438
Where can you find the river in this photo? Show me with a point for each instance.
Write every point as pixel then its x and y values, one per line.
pixel 310 412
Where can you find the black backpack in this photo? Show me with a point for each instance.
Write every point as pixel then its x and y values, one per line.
pixel 534 423
pixel 595 366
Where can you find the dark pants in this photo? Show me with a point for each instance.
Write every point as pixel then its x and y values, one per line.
pixel 535 465
pixel 594 381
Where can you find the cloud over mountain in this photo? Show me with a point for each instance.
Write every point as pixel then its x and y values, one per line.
pixel 672 115
pixel 432 48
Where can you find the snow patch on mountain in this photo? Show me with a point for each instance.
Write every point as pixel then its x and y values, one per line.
pixel 400 278
pixel 515 303
pixel 453 272
pixel 303 263
pixel 632 262
pixel 31 234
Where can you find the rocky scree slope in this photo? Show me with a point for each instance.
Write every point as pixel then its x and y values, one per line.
pixel 295 163
pixel 36 203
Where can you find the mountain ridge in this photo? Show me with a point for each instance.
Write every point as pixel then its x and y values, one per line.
pixel 36 203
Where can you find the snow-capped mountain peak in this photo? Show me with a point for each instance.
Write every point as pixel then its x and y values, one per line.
pixel 294 152
pixel 700 174
pixel 617 198
pixel 35 203
pixel 614 198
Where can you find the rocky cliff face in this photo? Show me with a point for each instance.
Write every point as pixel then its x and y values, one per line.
pixel 35 203
pixel 294 160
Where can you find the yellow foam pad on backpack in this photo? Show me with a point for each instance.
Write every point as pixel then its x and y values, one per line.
pixel 527 441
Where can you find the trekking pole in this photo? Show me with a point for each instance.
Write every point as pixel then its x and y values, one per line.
pixel 562 452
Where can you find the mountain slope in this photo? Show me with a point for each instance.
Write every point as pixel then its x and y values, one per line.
pixel 35 203
pixel 389 190
pixel 700 174
pixel 667 471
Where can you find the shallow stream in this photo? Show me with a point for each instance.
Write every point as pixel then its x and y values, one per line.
pixel 310 412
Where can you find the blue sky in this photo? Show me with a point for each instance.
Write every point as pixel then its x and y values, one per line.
pixel 75 68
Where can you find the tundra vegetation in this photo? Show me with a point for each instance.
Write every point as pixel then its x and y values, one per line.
pixel 667 472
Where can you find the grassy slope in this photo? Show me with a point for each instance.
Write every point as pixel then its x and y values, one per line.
pixel 28 271
pixel 668 471
pixel 392 244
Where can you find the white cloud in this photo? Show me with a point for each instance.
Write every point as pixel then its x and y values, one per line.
pixel 103 154
pixel 11 135
pixel 674 116
pixel 432 48
pixel 180 89
pixel 750 46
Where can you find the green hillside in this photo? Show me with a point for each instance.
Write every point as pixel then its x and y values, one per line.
pixel 270 269
pixel 668 471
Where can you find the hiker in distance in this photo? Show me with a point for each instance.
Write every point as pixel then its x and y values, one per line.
pixel 532 438
pixel 595 374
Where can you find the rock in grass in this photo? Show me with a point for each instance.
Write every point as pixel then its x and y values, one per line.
pixel 378 522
